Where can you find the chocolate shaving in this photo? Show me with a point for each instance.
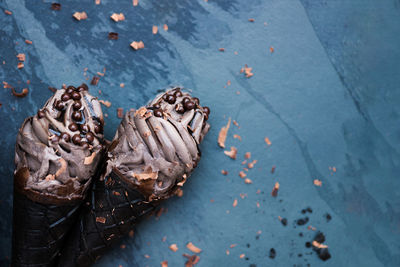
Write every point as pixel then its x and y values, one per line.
pixel 7 12
pixel 113 36
pixel 173 247
pixel 24 92
pixel 193 248
pixel 120 112
pixel 101 220
pixel 56 6
pixel 232 153
pixel 274 192
pixel 28 41
pixel 137 45
pixel 21 57
pixel 192 260
pixel 155 29
pixel 95 80
pixel 317 182
pixel 80 15
pixel 223 134
pixel 117 17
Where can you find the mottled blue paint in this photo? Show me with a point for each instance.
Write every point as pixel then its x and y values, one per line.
pixel 327 96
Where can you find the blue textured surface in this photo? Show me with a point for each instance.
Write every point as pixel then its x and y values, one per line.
pixel 328 96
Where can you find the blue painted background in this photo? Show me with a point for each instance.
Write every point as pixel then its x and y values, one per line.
pixel 328 96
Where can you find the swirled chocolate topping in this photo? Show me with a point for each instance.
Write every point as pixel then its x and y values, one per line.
pixel 158 144
pixel 61 145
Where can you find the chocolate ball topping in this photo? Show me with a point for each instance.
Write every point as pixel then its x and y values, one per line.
pixel 90 137
pixel 83 87
pixel 157 106
pixel 73 127
pixel 185 99
pixel 76 96
pixel 171 99
pixel 189 105
pixel 40 114
pixel 59 105
pixel 77 105
pixel 76 139
pixel 158 113
pixel 178 93
pixel 196 100
pixel 65 137
pixel 179 108
pixel 77 115
pixel 65 97
pixel 206 110
pixel 98 129
pixel 69 89
pixel 84 128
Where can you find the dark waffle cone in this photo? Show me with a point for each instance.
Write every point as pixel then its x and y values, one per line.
pixel 113 208
pixel 40 224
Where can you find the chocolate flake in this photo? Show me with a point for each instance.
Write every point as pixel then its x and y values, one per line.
pixel 8 12
pixel 24 92
pixel 95 80
pixel 272 253
pixel 80 15
pixel 137 45
pixel 113 36
pixel 56 6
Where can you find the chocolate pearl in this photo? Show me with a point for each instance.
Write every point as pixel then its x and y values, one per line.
pixel 65 137
pixel 98 129
pixel 76 139
pixel 157 106
pixel 83 87
pixel 171 99
pixel 60 105
pixel 77 105
pixel 189 105
pixel 84 145
pixel 196 100
pixel 84 128
pixel 70 89
pixel 186 99
pixel 206 110
pixel 165 97
pixel 158 113
pixel 76 96
pixel 65 97
pixel 73 127
pixel 178 93
pixel 90 137
pixel 179 108
pixel 40 114
pixel 77 115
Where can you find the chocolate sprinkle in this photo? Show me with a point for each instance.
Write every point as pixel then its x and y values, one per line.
pixel 302 221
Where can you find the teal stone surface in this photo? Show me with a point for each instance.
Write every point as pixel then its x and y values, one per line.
pixel 327 96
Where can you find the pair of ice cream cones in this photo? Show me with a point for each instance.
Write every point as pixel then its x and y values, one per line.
pixel 76 195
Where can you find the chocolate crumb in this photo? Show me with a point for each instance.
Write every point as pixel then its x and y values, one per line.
pixel 95 80
pixel 113 36
pixel 272 253
pixel 308 244
pixel 319 237
pixel 324 254
pixel 302 221
pixel 284 221
pixel 328 217
pixel 120 112
pixel 56 6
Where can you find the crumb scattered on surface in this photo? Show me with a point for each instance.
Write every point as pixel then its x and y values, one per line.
pixel 137 45
pixel 80 15
pixel 223 134
pixel 164 264
pixel 193 248
pixel 274 192
pixel 165 27
pixel 155 29
pixel 173 247
pixel 224 172
pixel 113 36
pixel 21 57
pixel 117 17
pixel 317 182
pixel 266 139
pixel 105 103
pixel 248 181
pixel 232 153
